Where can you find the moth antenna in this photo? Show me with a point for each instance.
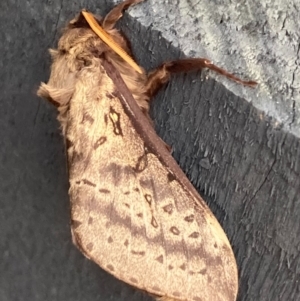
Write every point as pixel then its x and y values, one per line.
pixel 108 40
pixel 160 76
pixel 116 13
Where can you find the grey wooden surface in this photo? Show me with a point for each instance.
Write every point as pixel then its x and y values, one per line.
pixel 244 162
pixel 258 39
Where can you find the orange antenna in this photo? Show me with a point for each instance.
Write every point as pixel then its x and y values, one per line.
pixel 107 39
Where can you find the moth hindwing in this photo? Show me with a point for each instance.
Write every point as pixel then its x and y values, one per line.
pixel 133 210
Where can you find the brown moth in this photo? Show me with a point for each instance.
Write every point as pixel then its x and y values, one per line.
pixel 133 211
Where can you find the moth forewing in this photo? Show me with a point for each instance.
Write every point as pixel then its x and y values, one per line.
pixel 189 228
pixel 133 210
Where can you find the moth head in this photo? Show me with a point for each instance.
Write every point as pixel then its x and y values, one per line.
pixel 79 47
pixel 84 45
pixel 67 60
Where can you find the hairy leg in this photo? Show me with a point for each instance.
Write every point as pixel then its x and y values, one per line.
pixel 116 13
pixel 160 76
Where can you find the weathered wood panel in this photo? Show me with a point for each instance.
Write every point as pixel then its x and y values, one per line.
pixel 243 163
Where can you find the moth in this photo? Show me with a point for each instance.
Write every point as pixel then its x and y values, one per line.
pixel 133 210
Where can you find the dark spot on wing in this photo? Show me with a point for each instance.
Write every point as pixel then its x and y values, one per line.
pixel 136 189
pixel 141 253
pixel 105 119
pixel 168 208
pixel 90 246
pixel 213 261
pixel 100 141
pixel 127 205
pixel 133 280
pixel 140 215
pixel 115 119
pixel 126 243
pixel 77 182
pixel 147 183
pixel 171 177
pixel 174 230
pixel 90 221
pixel 226 249
pixel 203 271
pixel 141 164
pixel 110 240
pixel 218 260
pixel 183 267
pixel 87 118
pixel 89 183
pixel 128 170
pixel 126 192
pixel 189 218
pixel 76 157
pixel 154 222
pixel 160 259
pixel 170 267
pixel 76 224
pixel 104 191
pixel 195 235
pixel 116 171
pixel 110 267
pixel 148 198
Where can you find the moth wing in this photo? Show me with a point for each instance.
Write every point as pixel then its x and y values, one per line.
pixel 133 210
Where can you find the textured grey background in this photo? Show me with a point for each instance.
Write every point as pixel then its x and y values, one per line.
pixel 259 39
pixel 244 162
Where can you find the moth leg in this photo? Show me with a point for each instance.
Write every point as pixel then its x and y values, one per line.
pixel 116 13
pixel 160 76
